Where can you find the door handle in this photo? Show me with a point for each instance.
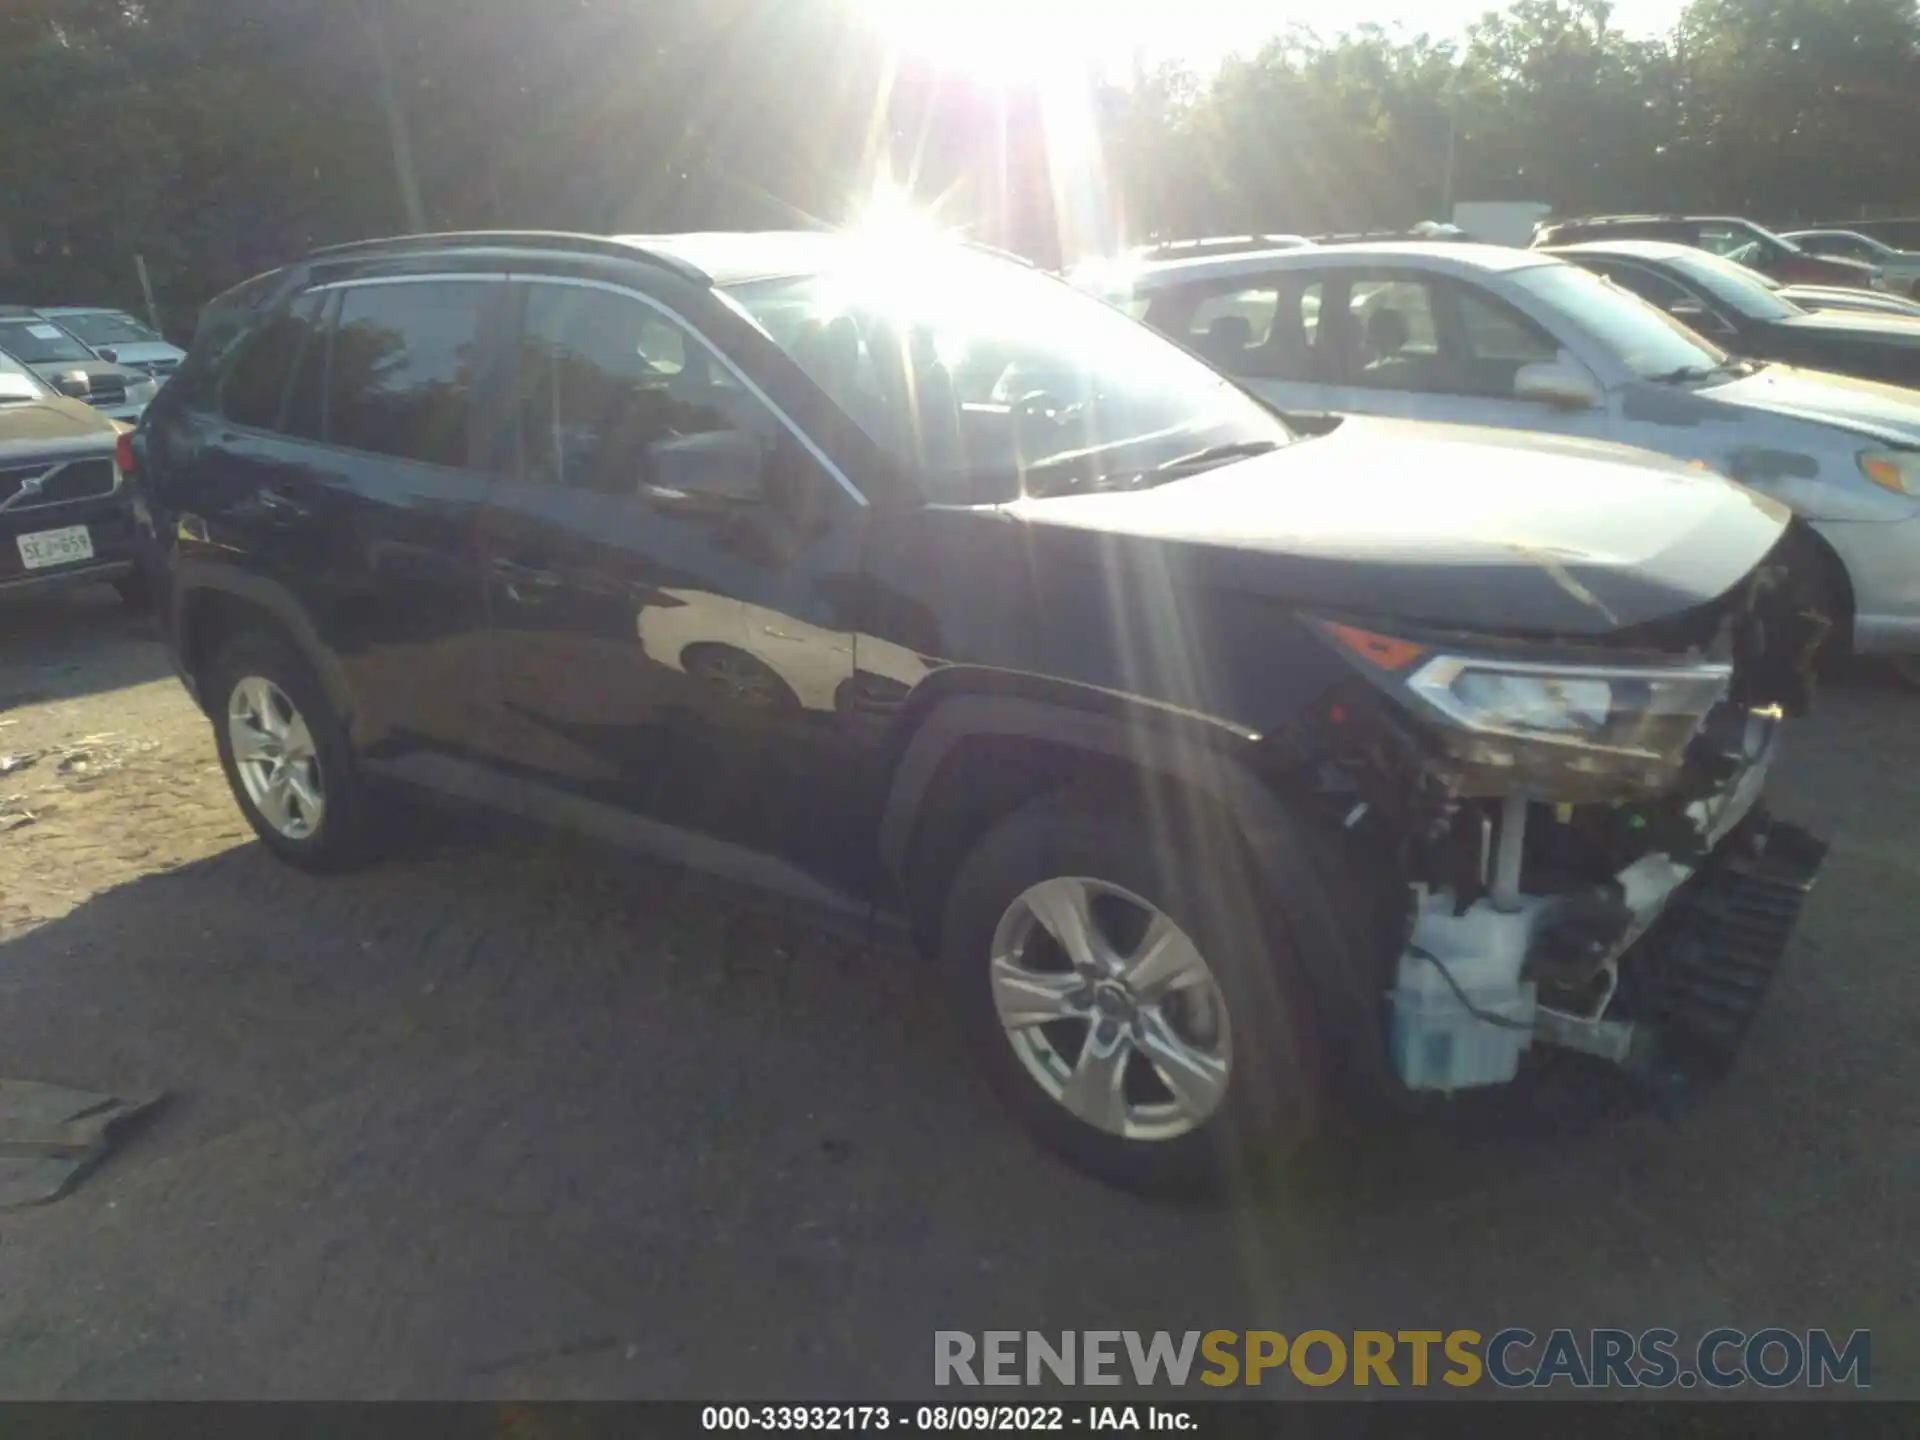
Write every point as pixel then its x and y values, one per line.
pixel 525 583
pixel 280 505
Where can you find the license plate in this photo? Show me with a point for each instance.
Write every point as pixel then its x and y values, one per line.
pixel 55 547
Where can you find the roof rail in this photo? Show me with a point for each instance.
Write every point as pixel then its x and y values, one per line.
pixel 545 239
pixel 1444 234
pixel 1217 245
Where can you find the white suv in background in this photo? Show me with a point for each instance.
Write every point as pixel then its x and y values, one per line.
pixel 115 335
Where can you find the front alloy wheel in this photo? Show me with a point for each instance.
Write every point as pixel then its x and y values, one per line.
pixel 275 757
pixel 1111 1008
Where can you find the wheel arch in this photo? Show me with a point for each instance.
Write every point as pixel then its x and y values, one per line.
pixel 214 603
pixel 940 802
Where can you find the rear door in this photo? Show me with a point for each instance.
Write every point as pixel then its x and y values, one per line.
pixel 340 463
pixel 678 656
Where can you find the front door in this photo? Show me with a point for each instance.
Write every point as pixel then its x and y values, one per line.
pixel 668 648
pixel 1408 345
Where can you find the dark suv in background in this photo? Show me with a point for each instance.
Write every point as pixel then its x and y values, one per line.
pixel 1741 240
pixel 937 599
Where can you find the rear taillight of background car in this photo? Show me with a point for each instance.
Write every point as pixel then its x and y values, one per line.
pixel 123 453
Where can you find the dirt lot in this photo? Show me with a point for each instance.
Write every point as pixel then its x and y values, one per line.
pixel 514 1116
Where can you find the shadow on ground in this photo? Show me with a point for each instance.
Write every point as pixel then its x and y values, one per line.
pixel 67 644
pixel 512 1115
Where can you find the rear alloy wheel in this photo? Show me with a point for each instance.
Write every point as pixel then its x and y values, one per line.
pixel 274 754
pixel 1128 990
pixel 287 756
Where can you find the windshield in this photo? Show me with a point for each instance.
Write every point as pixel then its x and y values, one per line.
pixel 989 380
pixel 109 327
pixel 40 342
pixel 1646 340
pixel 1734 286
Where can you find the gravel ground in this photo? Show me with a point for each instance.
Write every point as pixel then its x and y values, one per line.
pixel 514 1116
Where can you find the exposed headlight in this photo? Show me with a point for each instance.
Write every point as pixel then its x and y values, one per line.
pixel 1640 713
pixel 1895 470
pixel 1877 280
pixel 1562 731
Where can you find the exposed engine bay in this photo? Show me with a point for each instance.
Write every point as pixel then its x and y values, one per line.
pixel 1629 902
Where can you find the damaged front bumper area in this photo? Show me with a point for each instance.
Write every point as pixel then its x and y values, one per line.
pixel 1659 968
pixel 1582 832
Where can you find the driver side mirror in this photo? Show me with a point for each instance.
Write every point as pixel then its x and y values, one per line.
pixel 716 470
pixel 74 385
pixel 1559 383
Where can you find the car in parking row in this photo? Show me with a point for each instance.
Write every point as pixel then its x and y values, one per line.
pixel 1213 766
pixel 1728 235
pixel 66 517
pixel 1525 340
pixel 116 336
pixel 57 357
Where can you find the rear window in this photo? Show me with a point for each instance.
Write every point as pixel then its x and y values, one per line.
pixel 402 376
pixel 257 378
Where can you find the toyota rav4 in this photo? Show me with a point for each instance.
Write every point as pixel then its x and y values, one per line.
pixel 1214 765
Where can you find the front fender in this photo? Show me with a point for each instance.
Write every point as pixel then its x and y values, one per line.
pixel 1301 884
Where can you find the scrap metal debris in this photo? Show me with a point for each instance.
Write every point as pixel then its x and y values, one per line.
pixel 50 1136
pixel 12 764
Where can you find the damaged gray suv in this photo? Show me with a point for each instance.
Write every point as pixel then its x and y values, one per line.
pixel 1211 764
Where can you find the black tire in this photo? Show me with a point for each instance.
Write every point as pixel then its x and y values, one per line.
pixel 344 836
pixel 1271 1102
pixel 134 592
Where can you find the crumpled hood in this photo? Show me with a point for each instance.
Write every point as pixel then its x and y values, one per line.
pixel 1889 413
pixel 1446 526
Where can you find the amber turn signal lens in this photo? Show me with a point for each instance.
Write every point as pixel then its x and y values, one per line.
pixel 1381 650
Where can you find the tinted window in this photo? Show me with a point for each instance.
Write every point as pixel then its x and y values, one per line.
pixel 604 378
pixel 402 374
pixel 306 406
pixel 257 378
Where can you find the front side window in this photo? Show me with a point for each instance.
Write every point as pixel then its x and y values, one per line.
pixel 401 379
pixel 604 379
pixel 986 380
pixel 40 342
pixel 109 327
pixel 1645 340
